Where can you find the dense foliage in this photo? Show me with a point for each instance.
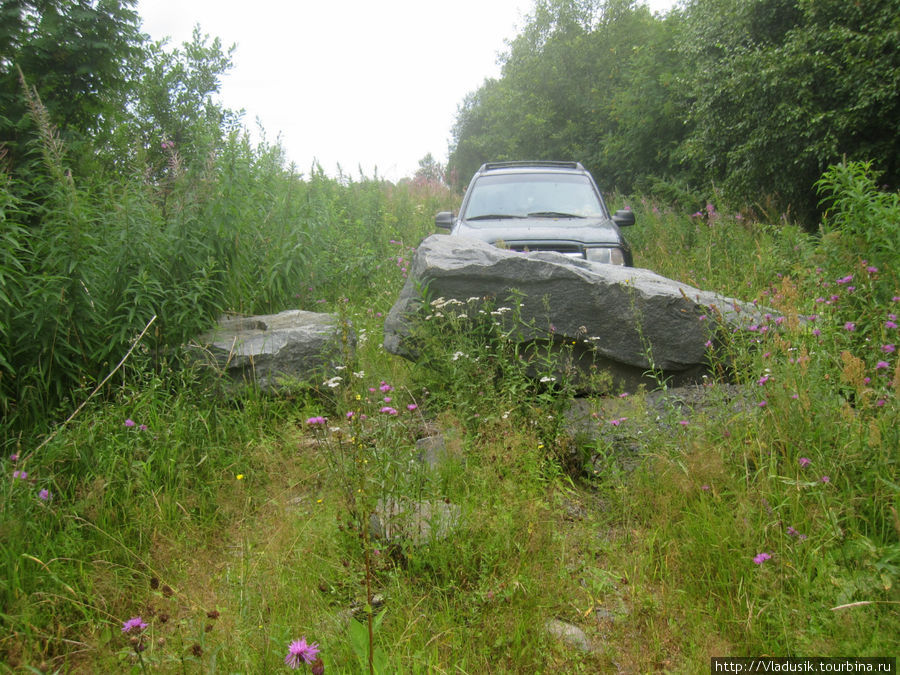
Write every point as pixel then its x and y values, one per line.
pixel 755 99
pixel 143 198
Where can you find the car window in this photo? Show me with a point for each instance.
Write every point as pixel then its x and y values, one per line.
pixel 521 194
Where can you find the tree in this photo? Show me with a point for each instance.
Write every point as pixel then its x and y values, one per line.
pixel 784 88
pixel 77 54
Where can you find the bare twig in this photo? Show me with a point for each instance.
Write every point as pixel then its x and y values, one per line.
pixel 862 603
pixel 96 389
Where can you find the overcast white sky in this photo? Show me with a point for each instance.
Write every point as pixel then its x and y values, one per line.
pixel 360 83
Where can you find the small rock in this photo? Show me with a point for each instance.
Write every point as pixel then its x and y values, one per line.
pixel 569 633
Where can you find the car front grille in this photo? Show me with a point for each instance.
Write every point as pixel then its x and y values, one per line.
pixel 565 249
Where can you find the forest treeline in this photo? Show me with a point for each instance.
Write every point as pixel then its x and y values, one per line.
pixel 748 101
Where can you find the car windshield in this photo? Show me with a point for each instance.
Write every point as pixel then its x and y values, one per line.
pixel 535 195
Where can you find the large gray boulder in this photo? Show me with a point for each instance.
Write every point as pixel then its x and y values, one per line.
pixel 273 350
pixel 624 320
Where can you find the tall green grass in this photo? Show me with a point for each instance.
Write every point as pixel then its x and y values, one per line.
pixel 88 266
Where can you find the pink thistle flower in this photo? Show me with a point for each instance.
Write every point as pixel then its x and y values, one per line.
pixel 129 422
pixel 318 420
pixel 411 407
pixel 14 457
pixel 21 475
pixel 300 651
pixel 760 558
pixel 388 410
pixel 890 324
pixel 804 461
pixel 825 479
pixel 888 349
pixel 881 365
pixel 850 326
pixel 135 622
pixel 44 495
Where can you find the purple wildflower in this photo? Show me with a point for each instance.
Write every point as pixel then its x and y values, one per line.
pixel 134 622
pixel 300 651
pixel 850 326
pixel 804 461
pixel 21 475
pixel 388 410
pixel 129 422
pixel 888 349
pixel 44 495
pixel 411 407
pixel 825 479
pixel 312 421
pixel 881 365
pixel 890 324
pixel 760 558
pixel 14 457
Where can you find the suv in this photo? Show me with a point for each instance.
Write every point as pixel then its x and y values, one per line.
pixel 540 206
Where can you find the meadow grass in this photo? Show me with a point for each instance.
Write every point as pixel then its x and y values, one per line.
pixel 765 523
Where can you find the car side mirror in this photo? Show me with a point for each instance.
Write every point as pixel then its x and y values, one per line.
pixel 444 220
pixel 623 217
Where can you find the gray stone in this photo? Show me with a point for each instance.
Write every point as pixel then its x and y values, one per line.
pixel 569 633
pixel 617 317
pixel 277 349
pixel 417 522
pixel 432 450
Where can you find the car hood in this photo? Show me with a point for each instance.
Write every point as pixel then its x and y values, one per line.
pixel 518 232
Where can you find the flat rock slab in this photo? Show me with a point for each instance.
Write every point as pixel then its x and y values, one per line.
pixel 274 350
pixel 626 320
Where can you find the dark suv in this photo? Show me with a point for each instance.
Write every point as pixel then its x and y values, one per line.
pixel 540 206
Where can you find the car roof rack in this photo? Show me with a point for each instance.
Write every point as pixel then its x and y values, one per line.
pixel 538 163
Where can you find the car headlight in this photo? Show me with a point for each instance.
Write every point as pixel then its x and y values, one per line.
pixel 610 256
